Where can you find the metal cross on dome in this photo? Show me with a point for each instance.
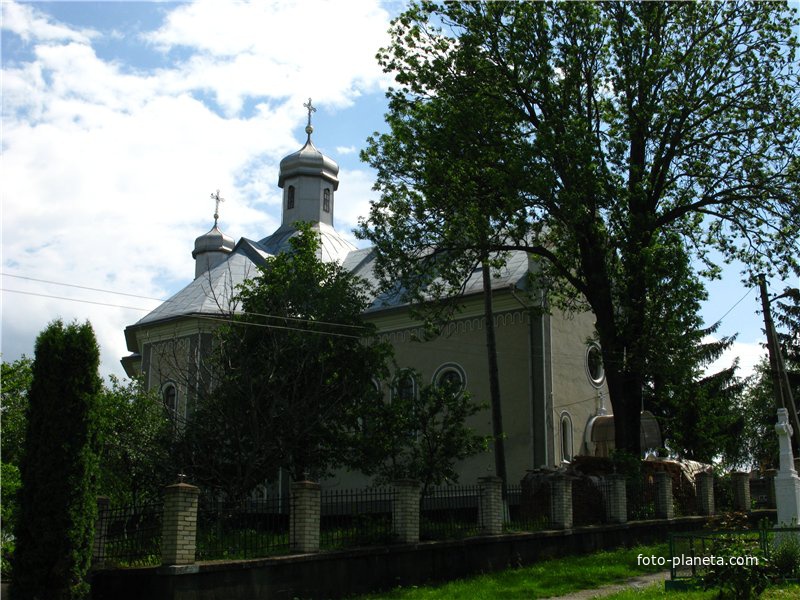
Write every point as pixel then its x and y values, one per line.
pixel 217 199
pixel 311 109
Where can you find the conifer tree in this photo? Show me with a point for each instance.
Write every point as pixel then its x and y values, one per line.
pixel 54 534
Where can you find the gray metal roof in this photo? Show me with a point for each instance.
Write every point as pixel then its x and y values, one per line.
pixel 211 293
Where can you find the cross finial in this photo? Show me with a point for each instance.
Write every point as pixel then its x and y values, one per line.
pixel 217 199
pixel 311 109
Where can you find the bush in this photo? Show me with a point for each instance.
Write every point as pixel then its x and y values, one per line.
pixel 786 555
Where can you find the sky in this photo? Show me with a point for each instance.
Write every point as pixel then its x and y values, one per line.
pixel 119 119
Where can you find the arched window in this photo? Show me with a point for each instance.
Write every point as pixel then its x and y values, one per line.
pixel 169 394
pixel 566 437
pixel 450 375
pixel 405 386
pixel 594 365
pixel 326 200
pixel 290 197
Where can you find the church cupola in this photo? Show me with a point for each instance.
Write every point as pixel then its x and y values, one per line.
pixel 212 248
pixel 309 180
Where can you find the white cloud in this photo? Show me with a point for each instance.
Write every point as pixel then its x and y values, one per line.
pixel 28 23
pixel 344 150
pixel 748 353
pixel 107 169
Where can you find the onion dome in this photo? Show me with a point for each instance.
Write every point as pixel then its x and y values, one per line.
pixel 311 162
pixel 213 241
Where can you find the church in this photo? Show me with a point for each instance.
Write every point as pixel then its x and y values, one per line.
pixel 554 396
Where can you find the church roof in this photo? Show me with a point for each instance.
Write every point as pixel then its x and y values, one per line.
pixel 211 293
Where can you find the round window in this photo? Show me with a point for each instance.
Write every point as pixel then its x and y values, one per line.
pixel 450 376
pixel 594 364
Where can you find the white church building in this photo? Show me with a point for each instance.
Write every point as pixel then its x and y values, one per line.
pixel 554 396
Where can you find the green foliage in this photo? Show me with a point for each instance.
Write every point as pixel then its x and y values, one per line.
pixel 16 381
pixel 617 143
pixel 785 555
pixel 740 581
pixel 420 436
pixel 137 435
pixel 9 483
pixel 58 508
pixel 291 374
pixel 759 411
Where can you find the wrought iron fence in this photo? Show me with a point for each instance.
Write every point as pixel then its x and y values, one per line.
pixel 640 494
pixel 246 529
pixel 360 517
pixel 129 536
pixel 450 512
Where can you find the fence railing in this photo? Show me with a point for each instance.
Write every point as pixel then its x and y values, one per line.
pixel 130 536
pixel 450 512
pixel 246 529
pixel 360 517
pixel 202 528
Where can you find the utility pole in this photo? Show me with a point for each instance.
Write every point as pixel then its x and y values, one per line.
pixel 780 381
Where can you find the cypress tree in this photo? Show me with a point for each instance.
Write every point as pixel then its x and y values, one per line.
pixel 54 534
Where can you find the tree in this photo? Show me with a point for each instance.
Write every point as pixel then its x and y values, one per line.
pixel 55 532
pixel 420 435
pixel 628 128
pixel 16 381
pixel 135 461
pixel 16 378
pixel 291 373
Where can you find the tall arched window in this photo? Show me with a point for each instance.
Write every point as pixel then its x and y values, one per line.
pixel 169 395
pixel 566 437
pixel 326 200
pixel 290 197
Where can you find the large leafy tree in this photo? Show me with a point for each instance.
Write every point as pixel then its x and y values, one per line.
pixel 419 436
pixel 55 531
pixel 135 461
pixel 609 136
pixel 291 373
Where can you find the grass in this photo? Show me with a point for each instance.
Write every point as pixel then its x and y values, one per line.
pixel 656 591
pixel 554 577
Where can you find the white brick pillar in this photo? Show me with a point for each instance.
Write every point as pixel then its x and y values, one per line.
pixel 560 502
pixel 491 505
pixel 705 493
pixel 405 510
pixel 304 513
pixel 665 509
pixel 616 499
pixel 179 524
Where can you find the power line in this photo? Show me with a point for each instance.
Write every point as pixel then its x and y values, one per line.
pixel 82 287
pixel 74 299
pixel 105 291
pixel 734 306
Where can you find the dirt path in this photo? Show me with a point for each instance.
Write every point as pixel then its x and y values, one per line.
pixel 640 581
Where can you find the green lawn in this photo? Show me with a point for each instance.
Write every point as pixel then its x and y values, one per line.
pixel 656 591
pixel 547 578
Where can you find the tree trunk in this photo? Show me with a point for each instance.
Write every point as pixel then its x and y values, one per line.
pixel 494 378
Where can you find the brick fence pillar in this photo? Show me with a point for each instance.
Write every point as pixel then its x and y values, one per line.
pixel 304 515
pixel 741 491
pixel 616 499
pixel 705 493
pixel 665 509
pixel 100 531
pixel 405 510
pixel 560 502
pixel 491 505
pixel 179 524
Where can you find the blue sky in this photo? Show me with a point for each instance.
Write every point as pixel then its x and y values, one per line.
pixel 120 118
